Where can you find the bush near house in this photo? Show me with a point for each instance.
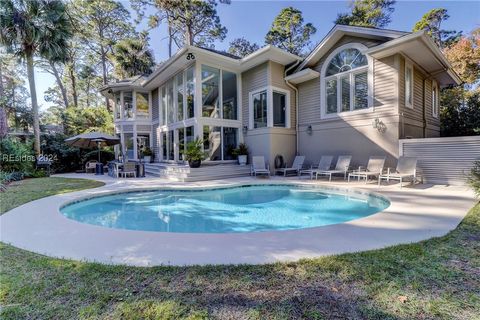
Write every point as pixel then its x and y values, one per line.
pixel 474 178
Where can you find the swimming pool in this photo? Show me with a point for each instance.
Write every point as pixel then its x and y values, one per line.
pixel 253 208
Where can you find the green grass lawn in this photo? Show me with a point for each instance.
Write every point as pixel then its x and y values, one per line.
pixel 433 279
pixel 24 191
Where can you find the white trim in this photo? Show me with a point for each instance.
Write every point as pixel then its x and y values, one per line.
pixel 269 90
pixel 409 66
pixel 323 96
pixel 435 102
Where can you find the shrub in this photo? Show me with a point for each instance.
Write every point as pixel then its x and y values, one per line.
pixel 64 157
pixel 474 178
pixel 16 155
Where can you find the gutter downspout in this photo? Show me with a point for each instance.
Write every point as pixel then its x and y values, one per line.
pixel 296 103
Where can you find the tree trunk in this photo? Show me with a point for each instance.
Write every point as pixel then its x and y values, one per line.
pixel 33 97
pixel 170 40
pixel 103 56
pixel 73 79
pixel 189 35
pixel 88 92
pixel 59 83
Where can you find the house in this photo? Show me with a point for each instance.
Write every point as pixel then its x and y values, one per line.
pixel 358 92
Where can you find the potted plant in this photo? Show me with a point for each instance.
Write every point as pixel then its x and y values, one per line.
pixel 147 154
pixel 242 153
pixel 194 154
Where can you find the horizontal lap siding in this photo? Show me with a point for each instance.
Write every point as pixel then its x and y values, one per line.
pixel 384 89
pixel 277 80
pixel 444 160
pixel 251 80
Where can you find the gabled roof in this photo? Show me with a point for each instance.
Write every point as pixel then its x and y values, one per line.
pixel 338 31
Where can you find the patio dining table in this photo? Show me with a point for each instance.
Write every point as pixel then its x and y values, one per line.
pixel 114 168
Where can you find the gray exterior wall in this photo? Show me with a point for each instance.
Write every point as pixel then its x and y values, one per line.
pixel 443 160
pixel 352 134
pixel 413 118
pixel 268 142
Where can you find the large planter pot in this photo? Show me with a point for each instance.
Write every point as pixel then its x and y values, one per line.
pixel 194 163
pixel 147 159
pixel 242 160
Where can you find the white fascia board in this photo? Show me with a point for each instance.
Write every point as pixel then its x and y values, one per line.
pixel 302 76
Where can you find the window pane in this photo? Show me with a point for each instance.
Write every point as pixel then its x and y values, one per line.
pixel 128 145
pixel 346 60
pixel 361 91
pixel 190 92
pixel 164 146
pixel 127 104
pixel 229 95
pixel 408 85
pixel 331 92
pixel 171 147
pixel 434 101
pixel 142 105
pixel 345 80
pixel 189 136
pixel 181 142
pixel 143 141
pixel 179 96
pixel 118 106
pixel 163 106
pixel 229 142
pixel 210 95
pixel 170 109
pixel 212 143
pixel 279 109
pixel 260 109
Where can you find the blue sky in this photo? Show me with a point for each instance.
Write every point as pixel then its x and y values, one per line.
pixel 252 20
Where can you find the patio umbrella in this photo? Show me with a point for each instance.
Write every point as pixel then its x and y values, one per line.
pixel 91 140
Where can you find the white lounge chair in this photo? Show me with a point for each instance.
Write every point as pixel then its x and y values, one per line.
pixel 296 166
pixel 259 166
pixel 323 165
pixel 374 169
pixel 343 163
pixel 129 169
pixel 406 169
pixel 90 165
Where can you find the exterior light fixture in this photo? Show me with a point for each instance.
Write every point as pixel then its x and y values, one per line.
pixel 310 130
pixel 245 129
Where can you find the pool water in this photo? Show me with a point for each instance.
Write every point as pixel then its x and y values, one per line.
pixel 236 209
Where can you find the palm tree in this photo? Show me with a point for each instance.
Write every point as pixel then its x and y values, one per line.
pixel 132 57
pixel 30 28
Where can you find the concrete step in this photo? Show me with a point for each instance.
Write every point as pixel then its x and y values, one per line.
pixel 205 172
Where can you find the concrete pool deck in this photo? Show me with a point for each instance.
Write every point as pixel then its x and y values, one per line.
pixel 416 213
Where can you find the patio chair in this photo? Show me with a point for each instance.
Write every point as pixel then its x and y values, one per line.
pixel 323 165
pixel 406 169
pixel 90 165
pixel 297 165
pixel 129 169
pixel 342 166
pixel 374 169
pixel 259 166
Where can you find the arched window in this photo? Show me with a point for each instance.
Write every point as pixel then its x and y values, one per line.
pixel 345 85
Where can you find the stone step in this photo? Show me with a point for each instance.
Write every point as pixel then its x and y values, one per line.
pixel 205 172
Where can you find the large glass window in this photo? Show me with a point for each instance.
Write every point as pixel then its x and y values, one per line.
pixel 118 105
pixel 408 85
pixel 229 95
pixel 164 146
pixel 127 105
pixel 229 141
pixel 143 141
pixel 128 143
pixel 190 88
pixel 434 99
pixel 260 109
pixel 212 142
pixel 163 106
pixel 170 106
pixel 171 145
pixel 210 94
pixel 181 142
pixel 279 109
pixel 142 105
pixel 346 82
pixel 180 95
